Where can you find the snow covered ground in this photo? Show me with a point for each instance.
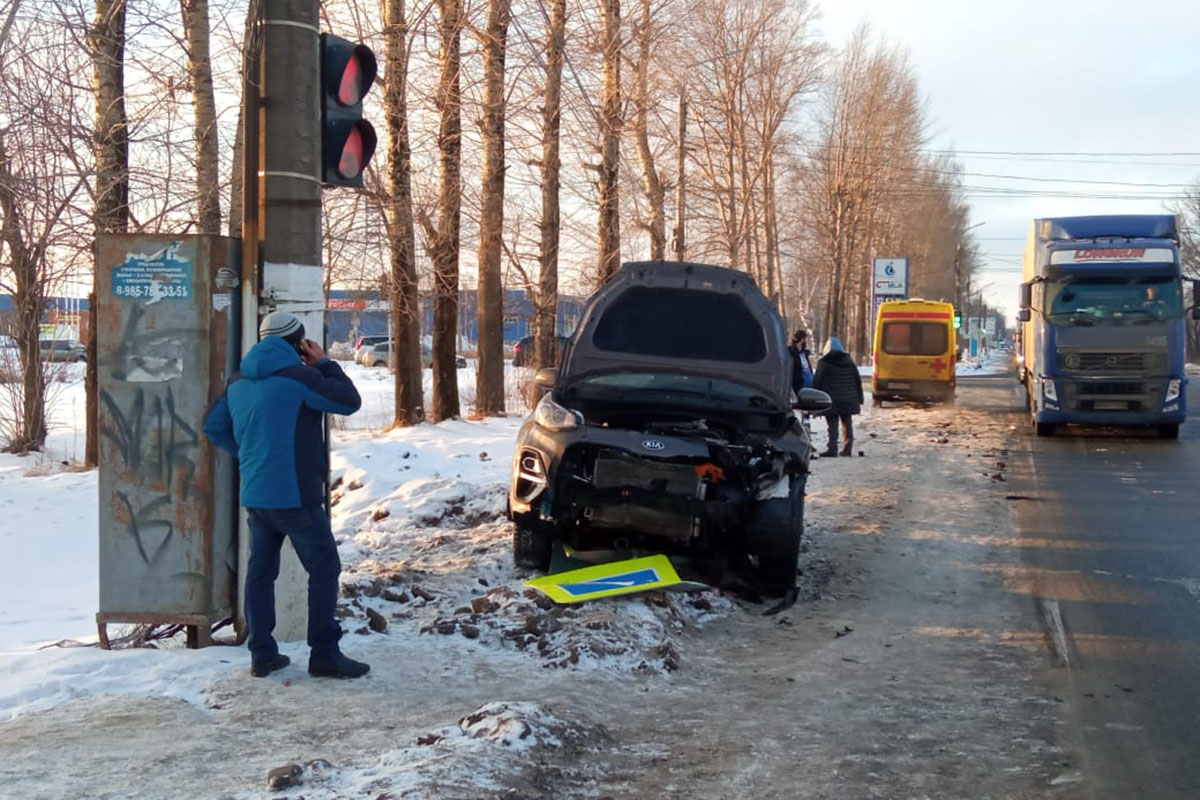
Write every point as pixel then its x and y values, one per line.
pixel 427 577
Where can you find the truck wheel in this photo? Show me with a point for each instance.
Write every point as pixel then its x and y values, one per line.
pixel 1168 431
pixel 773 533
pixel 1044 428
pixel 532 548
pixel 876 401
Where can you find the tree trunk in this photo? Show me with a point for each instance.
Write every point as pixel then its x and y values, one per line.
pixel 546 321
pixel 680 235
pixel 28 431
pixel 609 228
pixel 111 213
pixel 651 184
pixel 446 242
pixel 489 375
pixel 409 408
pixel 195 22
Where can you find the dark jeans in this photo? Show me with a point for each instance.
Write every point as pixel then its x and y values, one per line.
pixel 308 528
pixel 847 429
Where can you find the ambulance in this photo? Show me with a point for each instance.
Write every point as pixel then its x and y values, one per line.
pixel 915 351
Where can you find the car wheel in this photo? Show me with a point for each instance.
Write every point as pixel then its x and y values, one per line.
pixel 773 534
pixel 1168 431
pixel 1044 428
pixel 532 548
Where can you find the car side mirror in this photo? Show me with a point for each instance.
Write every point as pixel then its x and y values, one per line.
pixel 546 378
pixel 1023 315
pixel 813 401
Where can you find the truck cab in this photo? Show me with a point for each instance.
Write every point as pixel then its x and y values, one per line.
pixel 1102 323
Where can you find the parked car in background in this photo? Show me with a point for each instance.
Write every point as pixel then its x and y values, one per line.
pixel 62 350
pixel 523 351
pixel 364 343
pixel 377 355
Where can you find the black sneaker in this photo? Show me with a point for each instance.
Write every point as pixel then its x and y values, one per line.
pixel 263 668
pixel 337 667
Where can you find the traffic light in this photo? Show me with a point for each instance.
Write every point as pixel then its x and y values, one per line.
pixel 347 140
pixel 958 320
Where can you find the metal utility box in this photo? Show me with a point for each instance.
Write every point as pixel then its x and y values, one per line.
pixel 167 546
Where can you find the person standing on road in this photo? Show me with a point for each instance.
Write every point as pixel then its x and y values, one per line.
pixel 802 369
pixel 837 375
pixel 272 419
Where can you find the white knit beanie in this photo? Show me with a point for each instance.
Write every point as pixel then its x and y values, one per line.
pixel 281 324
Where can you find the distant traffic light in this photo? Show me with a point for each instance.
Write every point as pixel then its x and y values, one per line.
pixel 957 320
pixel 347 140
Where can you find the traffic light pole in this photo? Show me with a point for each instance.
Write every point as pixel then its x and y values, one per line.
pixel 287 270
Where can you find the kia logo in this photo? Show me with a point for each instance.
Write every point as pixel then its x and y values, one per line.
pixel 653 444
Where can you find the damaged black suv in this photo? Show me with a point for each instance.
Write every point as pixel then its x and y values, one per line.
pixel 669 427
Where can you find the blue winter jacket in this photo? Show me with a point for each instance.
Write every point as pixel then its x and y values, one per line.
pixel 271 418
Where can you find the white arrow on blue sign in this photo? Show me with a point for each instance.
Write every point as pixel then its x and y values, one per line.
pixel 640 577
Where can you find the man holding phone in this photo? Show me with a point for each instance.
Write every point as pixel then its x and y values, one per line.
pixel 272 419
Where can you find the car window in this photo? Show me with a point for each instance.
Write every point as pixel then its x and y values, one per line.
pixel 681 323
pixel 915 338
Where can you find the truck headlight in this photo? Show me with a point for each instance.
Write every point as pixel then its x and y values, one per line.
pixel 1174 387
pixel 551 416
pixel 1048 390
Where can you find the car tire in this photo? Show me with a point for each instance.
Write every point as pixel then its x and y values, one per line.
pixel 532 548
pixel 1168 431
pixel 773 534
pixel 1044 428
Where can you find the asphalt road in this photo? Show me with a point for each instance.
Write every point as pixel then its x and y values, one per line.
pixel 1110 528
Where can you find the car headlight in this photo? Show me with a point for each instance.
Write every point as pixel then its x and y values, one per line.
pixel 551 416
pixel 1174 387
pixel 1048 390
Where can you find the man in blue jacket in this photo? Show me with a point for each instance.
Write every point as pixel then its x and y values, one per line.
pixel 272 419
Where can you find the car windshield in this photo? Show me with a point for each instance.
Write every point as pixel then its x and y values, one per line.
pixel 666 387
pixel 1113 297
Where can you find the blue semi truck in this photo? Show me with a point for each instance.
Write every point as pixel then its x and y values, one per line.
pixel 1102 313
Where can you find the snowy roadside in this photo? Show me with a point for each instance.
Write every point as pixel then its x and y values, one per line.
pixel 467 662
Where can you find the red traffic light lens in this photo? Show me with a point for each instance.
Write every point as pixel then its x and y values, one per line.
pixel 350 164
pixel 350 87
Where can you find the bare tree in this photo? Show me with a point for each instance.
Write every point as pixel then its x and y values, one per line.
pixel 208 186
pixel 489 376
pixel 107 44
pixel 546 301
pixel 404 296
pixel 43 141
pixel 652 186
pixel 442 239
pixel 609 169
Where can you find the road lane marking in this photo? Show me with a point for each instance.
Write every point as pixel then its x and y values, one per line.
pixel 1052 616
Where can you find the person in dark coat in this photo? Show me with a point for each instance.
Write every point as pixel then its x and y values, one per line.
pixel 271 418
pixel 802 369
pixel 837 376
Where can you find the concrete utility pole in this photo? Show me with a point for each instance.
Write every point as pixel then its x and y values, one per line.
pixel 287 273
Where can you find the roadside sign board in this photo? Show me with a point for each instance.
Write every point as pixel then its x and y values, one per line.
pixel 607 580
pixel 890 277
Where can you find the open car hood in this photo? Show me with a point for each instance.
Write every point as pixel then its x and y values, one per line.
pixel 662 316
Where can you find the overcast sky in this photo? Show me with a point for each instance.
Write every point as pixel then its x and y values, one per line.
pixel 1048 77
